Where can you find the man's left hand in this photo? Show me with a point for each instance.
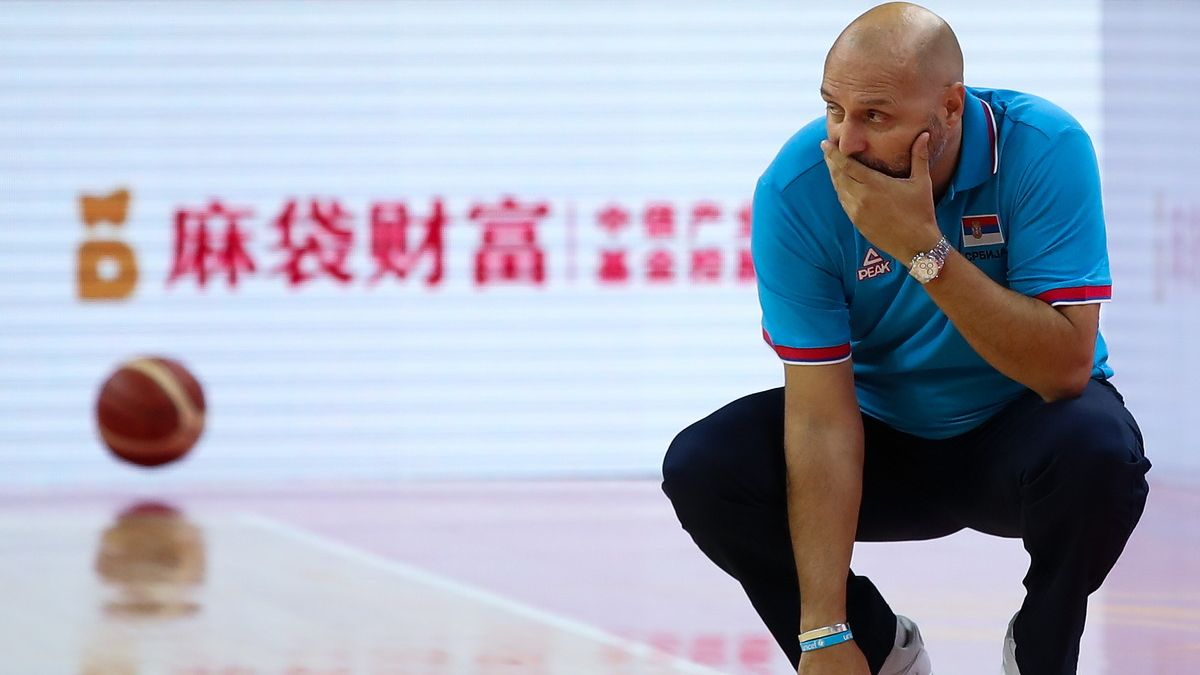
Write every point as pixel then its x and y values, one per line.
pixel 894 214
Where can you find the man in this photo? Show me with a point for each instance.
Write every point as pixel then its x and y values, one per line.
pixel 931 260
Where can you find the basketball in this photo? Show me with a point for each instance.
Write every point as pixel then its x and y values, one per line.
pixel 150 411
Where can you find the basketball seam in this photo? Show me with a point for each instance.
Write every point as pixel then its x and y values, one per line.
pixel 189 417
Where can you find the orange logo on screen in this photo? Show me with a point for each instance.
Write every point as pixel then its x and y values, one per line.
pixel 107 267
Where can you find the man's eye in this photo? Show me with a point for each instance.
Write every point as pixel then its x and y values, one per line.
pixel 876 116
pixel 836 112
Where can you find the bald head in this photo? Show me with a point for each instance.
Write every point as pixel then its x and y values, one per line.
pixel 909 41
pixel 893 74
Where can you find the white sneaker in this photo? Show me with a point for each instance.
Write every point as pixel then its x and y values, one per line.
pixel 908 657
pixel 1009 662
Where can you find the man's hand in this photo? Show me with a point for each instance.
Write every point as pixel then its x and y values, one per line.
pixel 894 214
pixel 843 659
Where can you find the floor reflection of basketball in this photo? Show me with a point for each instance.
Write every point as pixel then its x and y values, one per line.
pixel 150 411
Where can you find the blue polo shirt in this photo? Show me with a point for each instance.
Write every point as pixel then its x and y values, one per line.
pixel 1023 205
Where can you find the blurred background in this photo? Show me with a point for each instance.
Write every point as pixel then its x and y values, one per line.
pixel 430 261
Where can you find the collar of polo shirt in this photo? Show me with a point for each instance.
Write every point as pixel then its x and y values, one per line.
pixel 979 158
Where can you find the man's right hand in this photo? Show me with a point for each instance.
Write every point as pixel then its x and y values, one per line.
pixel 843 659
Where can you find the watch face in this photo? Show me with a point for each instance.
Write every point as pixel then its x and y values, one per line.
pixel 924 268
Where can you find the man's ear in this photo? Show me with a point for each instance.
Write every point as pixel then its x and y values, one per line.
pixel 954 99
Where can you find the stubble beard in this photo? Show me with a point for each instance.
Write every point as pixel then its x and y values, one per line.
pixel 901 167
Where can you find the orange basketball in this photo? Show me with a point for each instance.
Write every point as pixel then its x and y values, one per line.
pixel 150 411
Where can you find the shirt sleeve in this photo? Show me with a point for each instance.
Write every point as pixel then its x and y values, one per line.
pixel 1058 252
pixel 806 319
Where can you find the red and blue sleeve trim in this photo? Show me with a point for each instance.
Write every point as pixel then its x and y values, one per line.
pixel 1077 295
pixel 813 356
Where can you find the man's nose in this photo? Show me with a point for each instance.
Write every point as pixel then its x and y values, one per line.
pixel 850 138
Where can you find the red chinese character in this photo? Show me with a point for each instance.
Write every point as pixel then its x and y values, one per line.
pixel 510 251
pixel 706 264
pixel 659 220
pixel 613 268
pixel 709 650
pixel 389 241
pixel 744 220
pixel 321 232
pixel 660 266
pixel 704 213
pixel 665 642
pixel 210 241
pixel 612 218
pixel 745 265
pixel 756 651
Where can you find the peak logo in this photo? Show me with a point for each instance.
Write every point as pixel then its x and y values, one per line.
pixel 873 265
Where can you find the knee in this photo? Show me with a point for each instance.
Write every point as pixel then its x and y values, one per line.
pixel 734 454
pixel 1102 457
pixel 687 466
pixel 1103 444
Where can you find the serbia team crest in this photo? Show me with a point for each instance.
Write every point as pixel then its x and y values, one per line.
pixel 982 230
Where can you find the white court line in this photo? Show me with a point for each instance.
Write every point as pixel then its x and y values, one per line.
pixel 424 577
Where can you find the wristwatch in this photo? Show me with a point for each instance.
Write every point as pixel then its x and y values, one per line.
pixel 926 266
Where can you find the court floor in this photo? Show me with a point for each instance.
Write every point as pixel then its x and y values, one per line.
pixel 499 578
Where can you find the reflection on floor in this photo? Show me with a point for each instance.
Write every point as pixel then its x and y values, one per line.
pixel 498 579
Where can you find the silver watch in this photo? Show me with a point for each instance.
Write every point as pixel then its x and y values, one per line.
pixel 926 266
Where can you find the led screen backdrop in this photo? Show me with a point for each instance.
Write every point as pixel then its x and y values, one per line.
pixel 415 239
pixel 1150 85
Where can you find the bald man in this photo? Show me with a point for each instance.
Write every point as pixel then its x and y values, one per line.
pixel 931 261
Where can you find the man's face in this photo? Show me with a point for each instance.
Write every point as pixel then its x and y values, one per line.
pixel 874 114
